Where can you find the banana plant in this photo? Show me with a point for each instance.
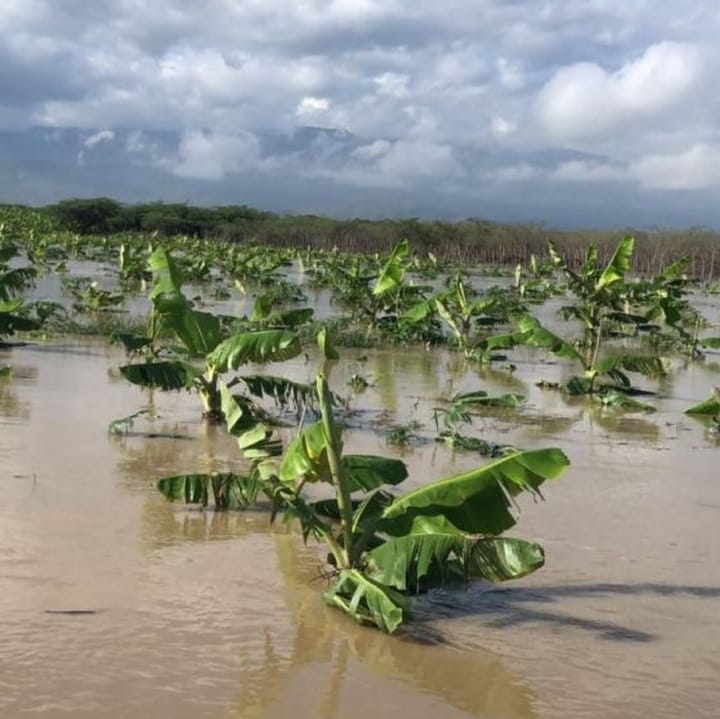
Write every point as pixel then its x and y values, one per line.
pixel 385 548
pixel 463 316
pixel 371 292
pixel 201 338
pixel 12 282
pixel 601 302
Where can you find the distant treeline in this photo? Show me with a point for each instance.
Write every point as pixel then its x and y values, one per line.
pixel 466 241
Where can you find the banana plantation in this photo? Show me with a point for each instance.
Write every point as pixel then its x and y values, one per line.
pixel 298 450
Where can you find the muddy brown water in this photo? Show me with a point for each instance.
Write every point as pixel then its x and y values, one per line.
pixel 114 603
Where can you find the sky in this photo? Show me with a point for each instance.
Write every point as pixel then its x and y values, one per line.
pixel 559 104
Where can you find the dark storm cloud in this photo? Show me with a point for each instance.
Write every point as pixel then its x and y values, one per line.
pixel 465 94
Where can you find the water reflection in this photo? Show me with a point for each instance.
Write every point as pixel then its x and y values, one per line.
pixel 12 405
pixel 412 671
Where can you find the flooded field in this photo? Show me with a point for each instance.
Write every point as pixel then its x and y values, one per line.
pixel 115 603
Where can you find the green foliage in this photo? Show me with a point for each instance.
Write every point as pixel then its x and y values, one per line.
pixel 709 406
pixel 229 490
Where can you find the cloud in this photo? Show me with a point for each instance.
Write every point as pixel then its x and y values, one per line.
pixel 98 137
pixel 212 156
pixel 585 100
pixel 696 168
pixel 436 95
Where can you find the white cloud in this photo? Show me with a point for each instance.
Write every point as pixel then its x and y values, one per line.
pixel 211 156
pixel 696 168
pixel 99 137
pixel 585 100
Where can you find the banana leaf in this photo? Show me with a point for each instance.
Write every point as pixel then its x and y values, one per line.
pixel 392 273
pixel 709 406
pixel 479 501
pixel 306 456
pixel 644 365
pixel 283 391
pixel 262 346
pixel 367 472
pixel 618 400
pixel 200 332
pixel 481 398
pixel 532 333
pixel 367 601
pixel 436 553
pixel 167 275
pixel 166 375
pixel 229 490
pixel 619 263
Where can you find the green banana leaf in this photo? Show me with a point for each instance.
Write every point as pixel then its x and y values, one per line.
pixel 391 275
pixel 229 490
pixel 200 332
pixel 307 457
pixel 254 439
pixel 709 406
pixel 165 375
pixel 618 400
pixel 261 346
pixel 480 398
pixel 644 365
pixel 532 333
pixel 436 554
pixel 368 601
pixel 479 501
pixel 283 391
pixel 619 263
pixel 367 472
pixel 166 274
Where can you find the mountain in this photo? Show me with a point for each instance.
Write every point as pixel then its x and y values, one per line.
pixel 328 171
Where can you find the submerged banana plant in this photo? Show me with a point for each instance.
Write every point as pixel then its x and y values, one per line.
pixel 384 548
pixel 201 338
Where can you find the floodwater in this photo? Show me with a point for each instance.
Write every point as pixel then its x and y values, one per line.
pixel 115 603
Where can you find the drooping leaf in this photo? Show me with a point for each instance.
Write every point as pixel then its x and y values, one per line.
pixel 709 406
pixel 282 390
pixel 392 273
pixel 481 398
pixel 618 400
pixel 131 343
pixel 442 553
pixel 619 263
pixel 165 375
pixel 262 346
pixel 532 333
pixel 367 601
pixel 229 490
pixel 479 501
pixel 367 472
pixel 648 366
